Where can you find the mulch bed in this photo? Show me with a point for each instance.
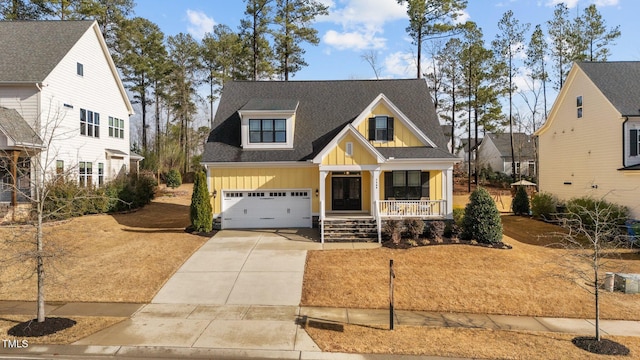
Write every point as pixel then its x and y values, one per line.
pixel 404 244
pixel 602 347
pixel 33 328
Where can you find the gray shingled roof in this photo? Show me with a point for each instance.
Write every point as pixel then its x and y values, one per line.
pixel 619 81
pixel 271 104
pixel 29 50
pixel 17 129
pixel 324 108
pixel 522 144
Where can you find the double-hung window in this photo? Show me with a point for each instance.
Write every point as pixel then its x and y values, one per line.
pixel 85 170
pixel 100 174
pixel 267 131
pixel 406 185
pixel 381 128
pixel 89 123
pixel 116 128
pixel 634 142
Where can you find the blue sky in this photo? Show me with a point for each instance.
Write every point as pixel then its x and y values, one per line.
pixel 355 26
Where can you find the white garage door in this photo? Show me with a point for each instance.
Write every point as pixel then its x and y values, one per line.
pixel 266 209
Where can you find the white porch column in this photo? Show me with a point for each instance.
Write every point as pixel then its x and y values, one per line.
pixel 375 189
pixel 447 192
pixel 323 177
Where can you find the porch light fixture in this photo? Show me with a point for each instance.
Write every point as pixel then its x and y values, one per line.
pixel 317 192
pixel 215 193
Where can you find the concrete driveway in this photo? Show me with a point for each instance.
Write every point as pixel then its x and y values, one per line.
pixel 240 290
pixel 242 268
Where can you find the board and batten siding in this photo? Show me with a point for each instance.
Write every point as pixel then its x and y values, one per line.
pixel 338 155
pixel 580 156
pixel 402 136
pixel 263 178
pixel 96 90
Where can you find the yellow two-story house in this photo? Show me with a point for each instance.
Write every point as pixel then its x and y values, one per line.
pixel 300 153
pixel 590 143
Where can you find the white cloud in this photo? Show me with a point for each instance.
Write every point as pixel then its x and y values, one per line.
pixel 199 23
pixel 463 17
pixel 570 3
pixel 361 22
pixel 603 3
pixel 353 40
pixel 400 64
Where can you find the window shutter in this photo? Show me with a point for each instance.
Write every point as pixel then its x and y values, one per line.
pixel 388 185
pixel 390 129
pixel 633 142
pixel 424 177
pixel 372 128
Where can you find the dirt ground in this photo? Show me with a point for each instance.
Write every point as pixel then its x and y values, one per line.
pixel 103 258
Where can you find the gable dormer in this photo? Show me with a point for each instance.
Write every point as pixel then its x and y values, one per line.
pixel 268 123
pixel 385 125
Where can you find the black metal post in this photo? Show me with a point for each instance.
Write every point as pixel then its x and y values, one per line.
pixel 391 277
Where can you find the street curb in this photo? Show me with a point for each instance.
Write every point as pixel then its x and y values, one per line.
pixel 161 352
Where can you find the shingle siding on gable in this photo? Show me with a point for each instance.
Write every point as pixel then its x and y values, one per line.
pixel 585 152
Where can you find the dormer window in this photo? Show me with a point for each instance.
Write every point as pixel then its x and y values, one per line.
pixel 268 124
pixel 267 130
pixel 381 128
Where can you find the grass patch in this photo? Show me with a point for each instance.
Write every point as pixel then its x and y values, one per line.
pixel 459 278
pixel 85 326
pixel 458 342
pixel 105 258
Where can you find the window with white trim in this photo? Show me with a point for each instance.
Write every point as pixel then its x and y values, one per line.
pixel 634 142
pixel 267 130
pixel 381 128
pixel 579 106
pixel 100 174
pixel 116 128
pixel 89 123
pixel 349 149
pixel 85 171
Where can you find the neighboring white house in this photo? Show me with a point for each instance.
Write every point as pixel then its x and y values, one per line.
pixel 495 151
pixel 590 144
pixel 61 96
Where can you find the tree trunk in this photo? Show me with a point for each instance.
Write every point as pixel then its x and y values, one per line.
pixel 143 103
pixel 40 262
pixel 513 157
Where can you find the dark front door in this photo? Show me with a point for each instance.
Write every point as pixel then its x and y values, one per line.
pixel 345 193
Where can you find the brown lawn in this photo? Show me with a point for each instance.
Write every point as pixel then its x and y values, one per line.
pixel 106 258
pixel 463 278
pixel 85 326
pixel 459 342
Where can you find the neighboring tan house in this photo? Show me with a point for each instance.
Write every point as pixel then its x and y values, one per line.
pixel 495 151
pixel 590 144
pixel 283 154
pixel 61 99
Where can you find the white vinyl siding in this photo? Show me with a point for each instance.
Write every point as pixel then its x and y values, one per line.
pixel 97 91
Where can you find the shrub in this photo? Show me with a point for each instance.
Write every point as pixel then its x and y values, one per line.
pixel 436 229
pixel 173 178
pixel 543 205
pixel 458 216
pixel 452 230
pixel 64 199
pixel 482 218
pixel 415 227
pixel 520 203
pixel 392 229
pixel 591 213
pixel 201 214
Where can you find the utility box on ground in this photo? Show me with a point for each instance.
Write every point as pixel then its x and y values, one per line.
pixel 627 283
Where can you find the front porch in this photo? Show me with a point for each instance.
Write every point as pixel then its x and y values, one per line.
pixel 353 204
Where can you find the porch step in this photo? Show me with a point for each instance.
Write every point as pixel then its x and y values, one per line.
pixel 350 230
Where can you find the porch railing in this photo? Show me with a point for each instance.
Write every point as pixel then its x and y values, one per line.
pixel 411 208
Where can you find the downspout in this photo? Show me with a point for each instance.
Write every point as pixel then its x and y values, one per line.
pixel 624 158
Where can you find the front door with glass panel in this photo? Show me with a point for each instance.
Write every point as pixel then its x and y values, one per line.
pixel 346 193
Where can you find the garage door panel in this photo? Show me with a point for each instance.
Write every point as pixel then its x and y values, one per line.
pixel 266 209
